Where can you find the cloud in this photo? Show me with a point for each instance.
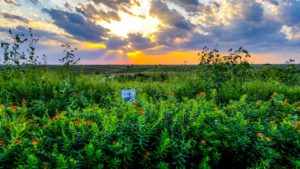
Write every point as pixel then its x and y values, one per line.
pixel 196 41
pixel 76 25
pixel 135 41
pixel 35 2
pixel 258 25
pixel 115 43
pixel 291 33
pixel 188 5
pixel 168 16
pixel 289 13
pixel 37 33
pixel 174 26
pixel 90 11
pixel 12 2
pixel 138 42
pixel 14 17
pixel 41 34
pixel 69 5
pixel 238 21
pixel 118 5
pixel 224 22
pixel 253 12
pixel 168 36
pixel 274 2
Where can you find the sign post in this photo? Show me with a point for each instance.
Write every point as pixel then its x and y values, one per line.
pixel 128 95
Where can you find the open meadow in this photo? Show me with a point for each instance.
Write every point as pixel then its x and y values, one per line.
pixel 207 117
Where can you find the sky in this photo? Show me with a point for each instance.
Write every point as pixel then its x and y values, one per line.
pixel 156 31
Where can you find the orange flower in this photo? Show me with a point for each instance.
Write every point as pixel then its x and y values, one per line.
pixel 1 142
pixel 202 94
pixel 45 166
pixel 140 111
pixel 203 141
pixel 13 107
pixel 115 142
pixel 268 139
pixel 17 142
pixel 260 134
pixel 89 122
pixel 35 142
pixel 171 93
pixel 134 103
pixel 56 117
pixel 146 154
pixel 76 122
pixel 1 105
pixel 24 101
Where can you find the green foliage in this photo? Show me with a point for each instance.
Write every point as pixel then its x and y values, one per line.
pixel 170 131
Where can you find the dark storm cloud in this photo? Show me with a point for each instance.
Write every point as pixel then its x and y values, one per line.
pixel 115 43
pixel 168 36
pixel 78 26
pixel 169 17
pixel 138 42
pixel 14 17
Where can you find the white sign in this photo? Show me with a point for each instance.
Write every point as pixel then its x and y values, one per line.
pixel 128 95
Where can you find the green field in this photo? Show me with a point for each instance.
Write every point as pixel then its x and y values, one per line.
pixel 184 117
pixel 138 69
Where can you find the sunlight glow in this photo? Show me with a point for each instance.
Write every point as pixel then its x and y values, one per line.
pixel 142 22
pixel 134 54
pixel 91 45
pixel 116 51
pixel 132 24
